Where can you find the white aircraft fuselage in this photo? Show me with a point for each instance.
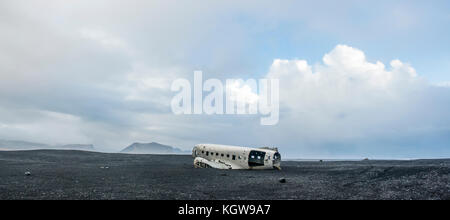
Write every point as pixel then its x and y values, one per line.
pixel 235 157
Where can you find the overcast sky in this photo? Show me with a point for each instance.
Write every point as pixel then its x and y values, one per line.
pixel 357 78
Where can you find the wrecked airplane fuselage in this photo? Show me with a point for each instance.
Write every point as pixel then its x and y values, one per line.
pixel 235 157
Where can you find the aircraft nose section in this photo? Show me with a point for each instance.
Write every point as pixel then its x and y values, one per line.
pixel 277 161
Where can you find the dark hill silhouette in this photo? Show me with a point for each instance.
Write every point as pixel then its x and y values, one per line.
pixel 25 145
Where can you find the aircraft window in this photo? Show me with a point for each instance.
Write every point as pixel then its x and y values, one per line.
pixel 228 155
pixel 221 155
pixel 217 154
pixel 234 157
pixel 256 158
pixel 203 152
pixel 277 156
pixel 207 153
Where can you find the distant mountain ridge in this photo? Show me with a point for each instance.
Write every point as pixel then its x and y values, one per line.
pixel 25 145
pixel 152 148
pixel 135 148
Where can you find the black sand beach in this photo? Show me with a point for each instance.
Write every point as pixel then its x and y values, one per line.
pixel 59 174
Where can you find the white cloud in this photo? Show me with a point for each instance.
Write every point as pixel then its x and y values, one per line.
pixel 442 84
pixel 46 126
pixel 344 75
pixel 105 39
pixel 242 93
pixel 142 82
